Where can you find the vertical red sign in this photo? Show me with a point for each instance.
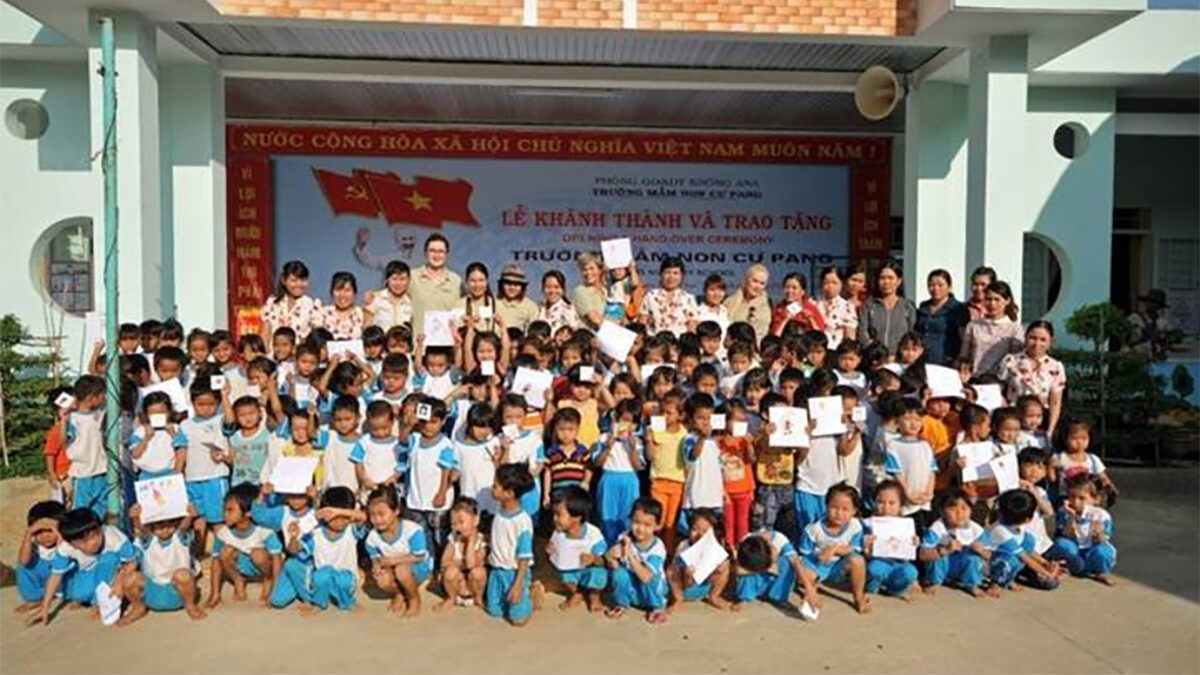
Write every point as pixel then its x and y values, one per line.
pixel 870 212
pixel 250 238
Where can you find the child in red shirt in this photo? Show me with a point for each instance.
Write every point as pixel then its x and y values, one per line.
pixel 737 460
pixel 58 465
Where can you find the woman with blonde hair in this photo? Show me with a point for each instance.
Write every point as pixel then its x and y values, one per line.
pixel 749 302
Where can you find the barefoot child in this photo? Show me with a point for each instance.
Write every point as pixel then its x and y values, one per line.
pixel 584 578
pixel 169 571
pixel 888 575
pixel 510 587
pixel 464 575
pixel 1084 531
pixel 207 460
pixel 636 565
pixel 89 554
pixel 37 551
pixel 1013 548
pixel 294 519
pixel 951 550
pixel 682 579
pixel 333 546
pixel 243 551
pixel 767 568
pixel 400 560
pixel 831 549
pixel 619 456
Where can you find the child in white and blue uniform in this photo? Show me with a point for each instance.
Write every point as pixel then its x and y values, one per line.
pixel 296 510
pixel 888 575
pixel 165 553
pixel 476 453
pixel 525 447
pixel 431 464
pixel 333 549
pixel 337 460
pixel 682 580
pixel 400 560
pixel 376 455
pixel 90 553
pixel 37 551
pixel 831 550
pixel 509 591
pixel 156 452
pixel 242 550
pixel 768 567
pixel 83 429
pixel 206 467
pixel 951 549
pixel 1012 547
pixel 619 455
pixel 636 565
pixel 1084 533
pixel 587 578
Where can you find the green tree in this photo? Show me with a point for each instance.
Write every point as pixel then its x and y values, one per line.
pixel 27 413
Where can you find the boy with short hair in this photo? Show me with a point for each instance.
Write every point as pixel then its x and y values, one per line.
pixel 37 551
pixel 910 460
pixel 510 588
pixel 636 565
pixel 588 578
pixel 431 470
pixel 83 429
pixel 1013 547
pixel 89 554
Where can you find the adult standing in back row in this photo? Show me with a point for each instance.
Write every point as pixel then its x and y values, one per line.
pixel 434 288
pixel 886 316
pixel 749 302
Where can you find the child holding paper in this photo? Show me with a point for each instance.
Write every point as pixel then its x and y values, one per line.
pixel 910 460
pixel 682 576
pixel 1084 533
pixel 157 449
pixel 478 453
pixel 524 447
pixel 1075 460
pixel 333 547
pixel 89 554
pixel 432 469
pixel 206 465
pixel 893 576
pixel 400 560
pixel 168 577
pixel 305 439
pixel 583 577
pixel 83 429
pixel 434 376
pixel 775 473
pixel 664 450
pixel 243 551
pixel 463 573
pixel 636 576
pixel 37 551
pixel 619 456
pixel 511 592
pixel 583 400
pixel 831 549
pixel 737 458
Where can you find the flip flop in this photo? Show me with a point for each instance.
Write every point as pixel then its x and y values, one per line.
pixel 614 612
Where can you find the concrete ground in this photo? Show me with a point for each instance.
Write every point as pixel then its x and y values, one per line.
pixel 1148 623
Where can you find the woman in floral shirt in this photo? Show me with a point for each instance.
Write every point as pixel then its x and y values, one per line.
pixel 841 318
pixel 796 307
pixel 670 308
pixel 1035 373
pixel 391 306
pixel 291 305
pixel 345 319
pixel 555 310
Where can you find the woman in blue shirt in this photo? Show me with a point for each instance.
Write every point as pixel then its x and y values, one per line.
pixel 940 320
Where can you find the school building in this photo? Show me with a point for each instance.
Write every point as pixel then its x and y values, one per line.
pixel 1055 140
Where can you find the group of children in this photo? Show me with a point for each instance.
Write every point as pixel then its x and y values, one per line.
pixel 442 467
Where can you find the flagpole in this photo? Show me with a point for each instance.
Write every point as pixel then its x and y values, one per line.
pixel 112 369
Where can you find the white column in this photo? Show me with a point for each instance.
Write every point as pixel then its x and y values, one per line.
pixel 140 280
pixel 997 212
pixel 935 175
pixel 193 174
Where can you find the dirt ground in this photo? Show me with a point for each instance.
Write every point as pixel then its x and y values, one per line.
pixel 1148 623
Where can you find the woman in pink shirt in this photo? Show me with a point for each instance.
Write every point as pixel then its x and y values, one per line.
pixel 987 340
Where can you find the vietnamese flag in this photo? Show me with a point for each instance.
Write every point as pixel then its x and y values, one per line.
pixel 451 198
pixel 400 201
pixel 346 194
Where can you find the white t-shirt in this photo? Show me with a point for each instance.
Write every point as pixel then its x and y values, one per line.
pixel 379 457
pixel 704 487
pixel 819 470
pixel 511 540
pixel 618 458
pixel 912 460
pixel 337 463
pixel 425 466
pixel 477 470
pixel 201 435
pixel 161 559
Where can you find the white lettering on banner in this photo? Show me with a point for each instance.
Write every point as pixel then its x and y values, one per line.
pixel 542 214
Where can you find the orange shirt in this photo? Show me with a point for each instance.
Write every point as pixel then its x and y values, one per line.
pixel 56 448
pixel 735 465
pixel 940 435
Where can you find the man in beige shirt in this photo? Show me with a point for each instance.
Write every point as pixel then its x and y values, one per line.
pixel 433 287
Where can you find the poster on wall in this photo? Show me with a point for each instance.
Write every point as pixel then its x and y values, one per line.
pixel 355 199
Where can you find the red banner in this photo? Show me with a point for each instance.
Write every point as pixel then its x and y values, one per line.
pixel 249 240
pixel 870 212
pixel 616 146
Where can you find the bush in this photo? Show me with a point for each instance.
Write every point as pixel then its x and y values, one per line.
pixel 27 415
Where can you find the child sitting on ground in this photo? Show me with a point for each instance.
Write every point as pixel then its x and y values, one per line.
pixel 1084 533
pixel 682 579
pixel 37 551
pixel 464 576
pixel 832 549
pixel 1013 549
pixel 243 551
pixel 90 553
pixel 169 571
pixel 585 576
pixel 951 549
pixel 636 565
pixel 888 575
pixel 400 560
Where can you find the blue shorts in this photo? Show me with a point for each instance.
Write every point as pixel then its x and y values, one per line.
pixel 810 508
pixel 91 492
pixel 697 591
pixel 80 585
pixel 246 566
pixel 499 582
pixel 775 588
pixel 829 573
pixel 208 496
pixel 163 597
pixel 592 578
pixel 422 570
pixel 32 578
